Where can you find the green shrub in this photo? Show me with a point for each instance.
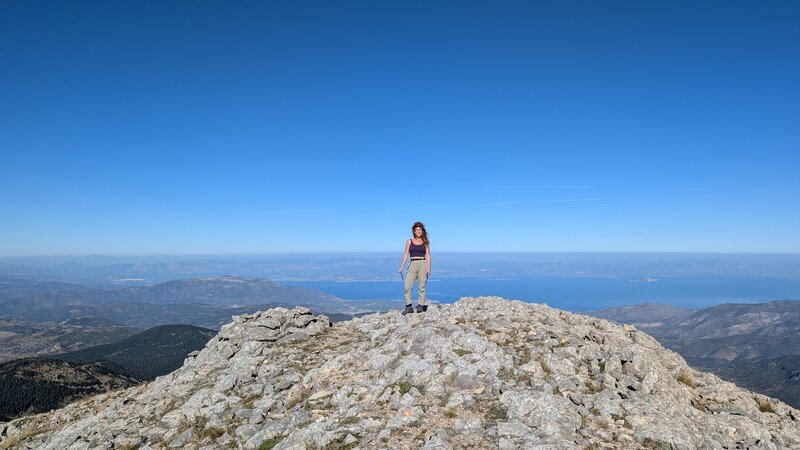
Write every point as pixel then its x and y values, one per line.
pixel 545 367
pixel 765 407
pixel 338 444
pixel 270 443
pixel 125 447
pixel 404 386
pixel 496 412
pixel 685 378
pixel 656 444
pixel 594 388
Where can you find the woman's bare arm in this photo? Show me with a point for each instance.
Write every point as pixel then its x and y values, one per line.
pixel 405 255
pixel 428 258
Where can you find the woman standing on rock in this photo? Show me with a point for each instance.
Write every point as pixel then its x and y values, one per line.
pixel 418 248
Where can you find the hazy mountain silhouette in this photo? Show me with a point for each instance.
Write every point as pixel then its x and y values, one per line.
pixel 207 302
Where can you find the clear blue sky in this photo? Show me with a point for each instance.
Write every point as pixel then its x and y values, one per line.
pixel 147 127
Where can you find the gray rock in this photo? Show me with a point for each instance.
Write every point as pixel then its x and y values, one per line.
pixel 552 417
pixel 261 334
pixel 182 439
pixel 269 322
pixel 298 336
pixel 437 443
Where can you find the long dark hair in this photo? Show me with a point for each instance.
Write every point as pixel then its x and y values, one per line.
pixel 424 236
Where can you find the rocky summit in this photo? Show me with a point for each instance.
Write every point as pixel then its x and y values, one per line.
pixel 480 373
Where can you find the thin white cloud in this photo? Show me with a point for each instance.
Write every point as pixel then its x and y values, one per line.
pixel 563 200
pixel 513 202
pixel 540 187
pixel 419 207
pixel 278 211
pixel 424 207
pixel 689 189
pixel 293 211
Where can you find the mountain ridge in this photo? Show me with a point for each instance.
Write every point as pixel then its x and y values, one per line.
pixel 207 302
pixel 43 383
pixel 643 314
pixel 225 291
pixel 36 385
pixel 482 372
pixel 19 339
pixel 751 344
pixel 727 324
pixel 146 355
pixel 777 377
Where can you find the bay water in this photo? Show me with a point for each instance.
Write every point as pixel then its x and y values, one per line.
pixel 581 293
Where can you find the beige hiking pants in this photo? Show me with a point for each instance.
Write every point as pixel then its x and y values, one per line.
pixel 416 271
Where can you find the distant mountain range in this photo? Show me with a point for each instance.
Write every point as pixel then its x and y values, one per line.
pixel 226 292
pixel 721 333
pixel 754 345
pixel 645 315
pixel 34 385
pixel 18 287
pixel 207 302
pixel 51 320
pixel 130 271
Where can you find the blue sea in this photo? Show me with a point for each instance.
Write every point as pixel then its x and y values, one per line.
pixel 581 294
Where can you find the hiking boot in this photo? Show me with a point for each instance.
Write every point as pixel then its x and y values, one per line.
pixel 422 308
pixel 409 309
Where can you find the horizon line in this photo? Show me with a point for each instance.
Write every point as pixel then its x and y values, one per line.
pixel 372 252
